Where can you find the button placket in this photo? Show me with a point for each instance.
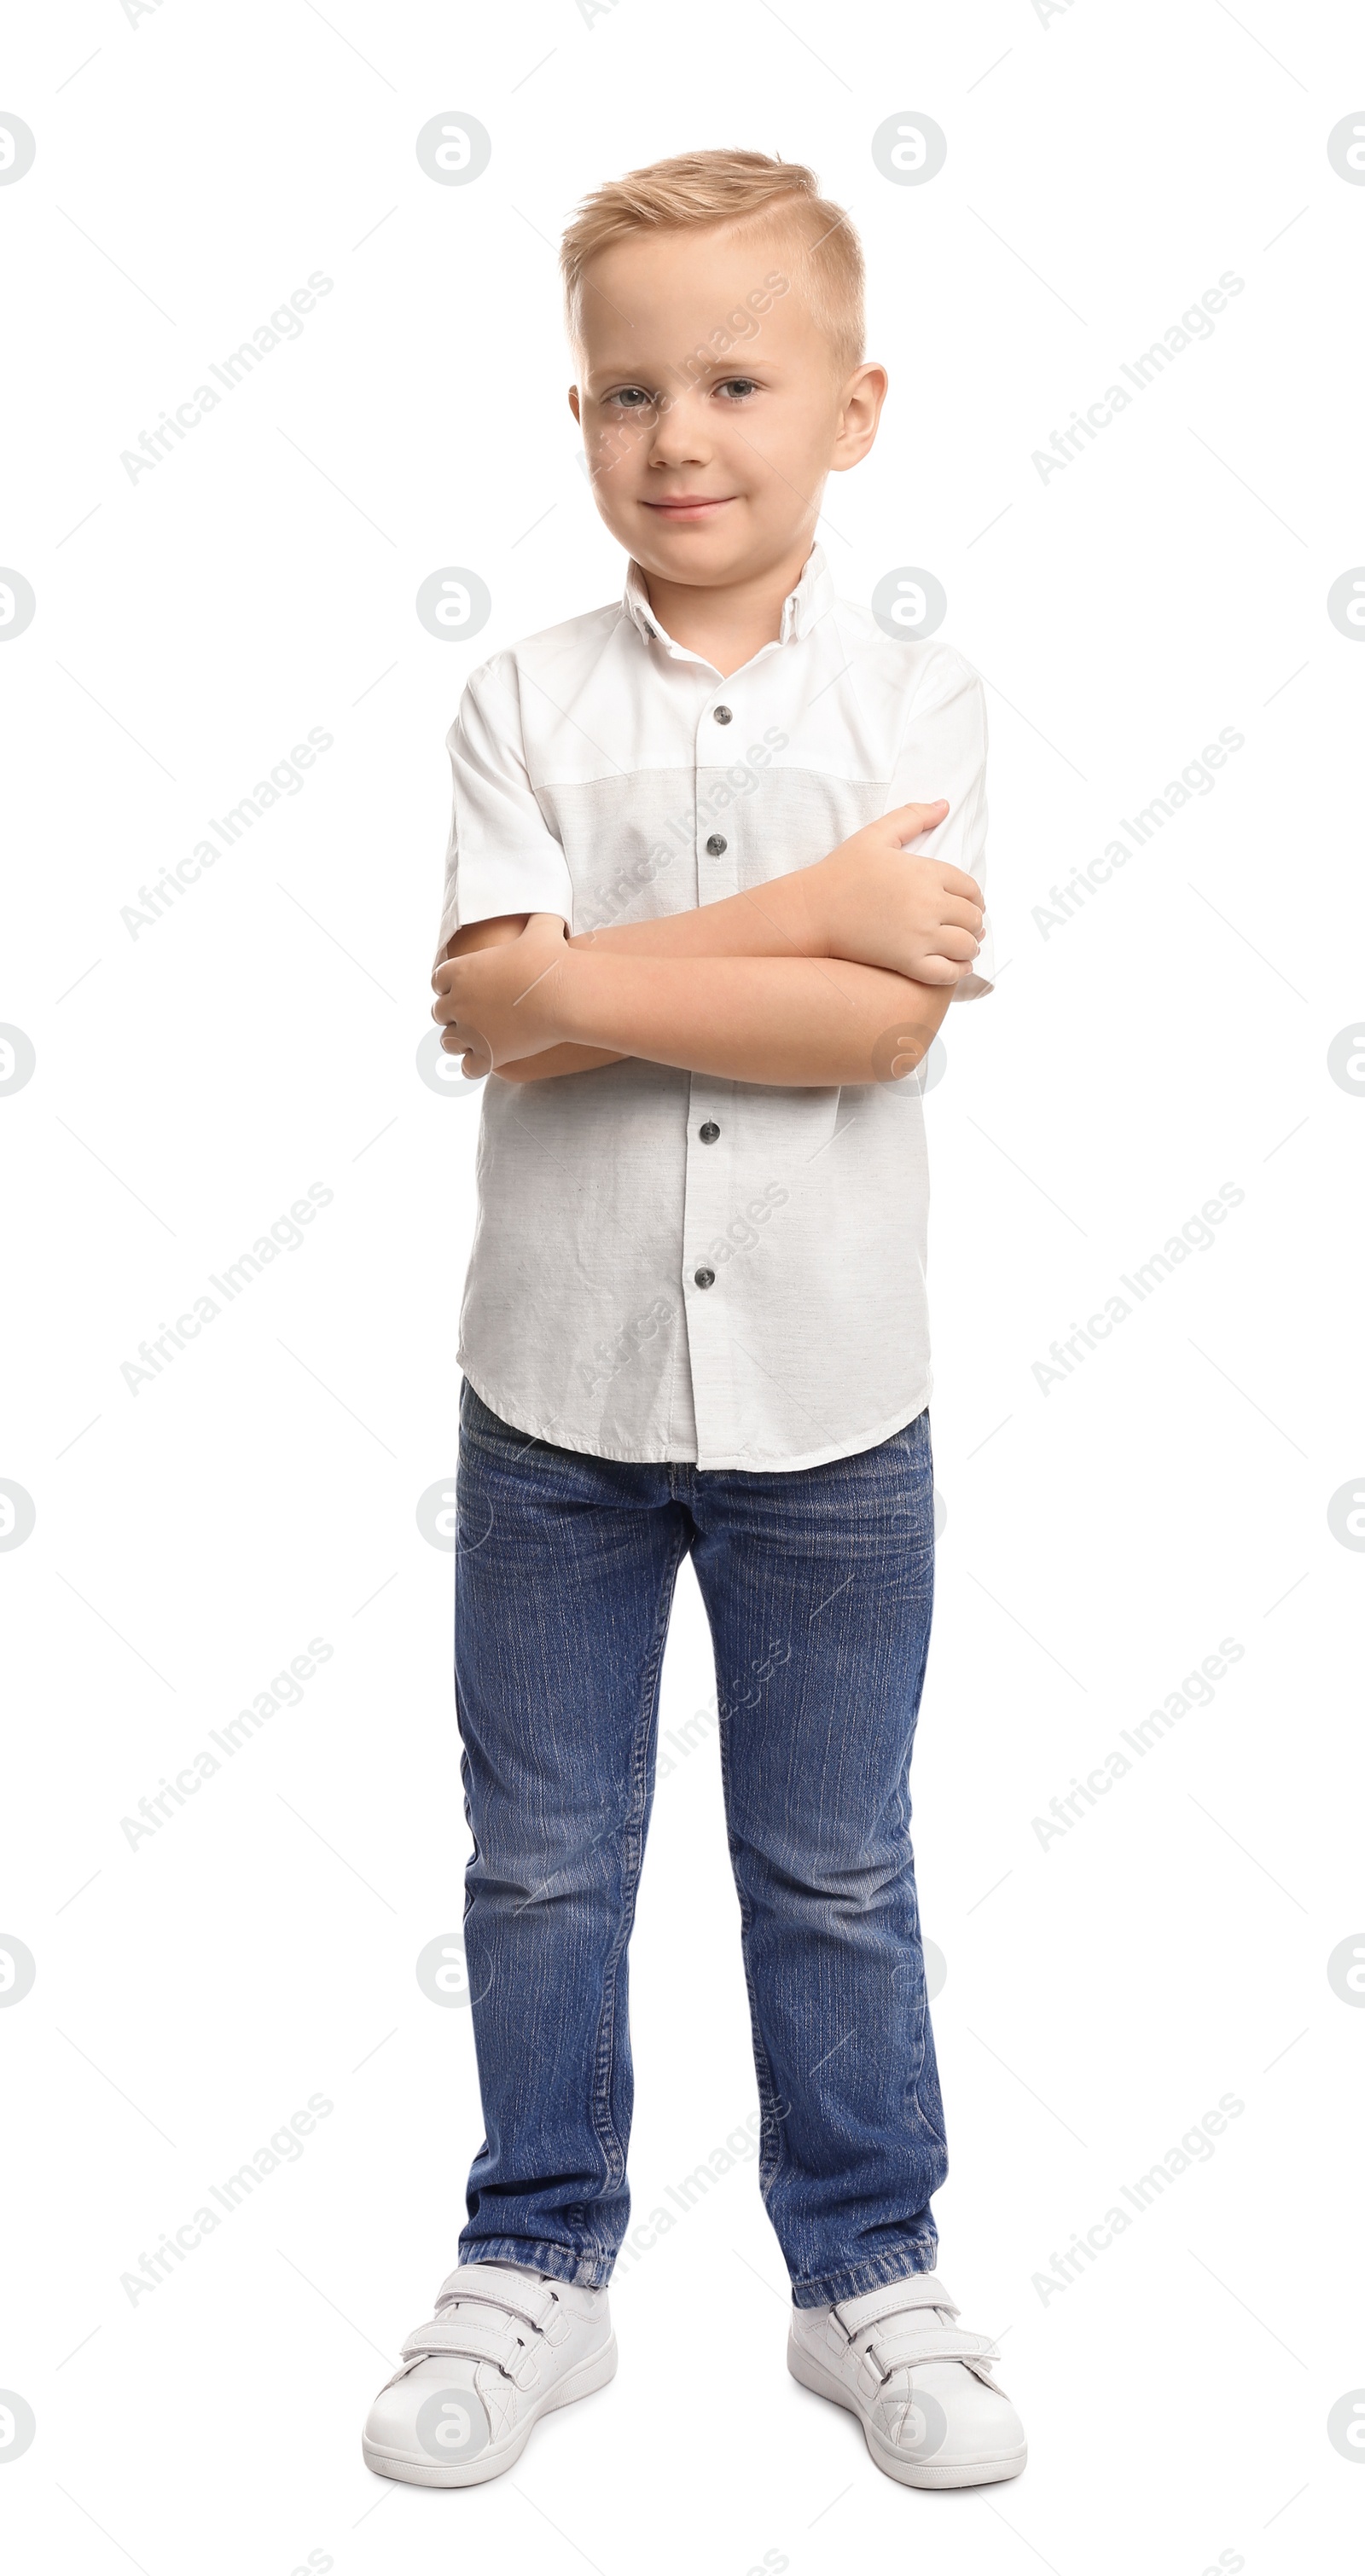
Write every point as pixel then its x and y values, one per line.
pixel 706 1212
pixel 707 1297
pixel 717 868
pixel 707 1175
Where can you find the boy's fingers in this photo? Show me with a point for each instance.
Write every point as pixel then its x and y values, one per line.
pixel 963 913
pixel 956 881
pixel 476 1052
pixel 909 821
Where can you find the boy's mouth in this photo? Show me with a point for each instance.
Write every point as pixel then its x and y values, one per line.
pixel 691 505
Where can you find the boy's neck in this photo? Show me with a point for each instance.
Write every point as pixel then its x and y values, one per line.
pixel 727 622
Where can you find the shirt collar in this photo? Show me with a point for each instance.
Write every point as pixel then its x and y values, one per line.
pixel 801 608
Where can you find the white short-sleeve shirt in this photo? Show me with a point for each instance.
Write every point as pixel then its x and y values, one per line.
pixel 667 1265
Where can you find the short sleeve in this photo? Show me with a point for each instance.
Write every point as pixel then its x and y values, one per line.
pixel 942 752
pixel 501 855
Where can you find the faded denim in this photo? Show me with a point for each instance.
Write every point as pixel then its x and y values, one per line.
pixel 818 1584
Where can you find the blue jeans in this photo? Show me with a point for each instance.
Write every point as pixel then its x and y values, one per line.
pixel 818 1586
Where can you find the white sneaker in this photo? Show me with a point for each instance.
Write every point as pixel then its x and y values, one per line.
pixel 505 2346
pixel 931 2414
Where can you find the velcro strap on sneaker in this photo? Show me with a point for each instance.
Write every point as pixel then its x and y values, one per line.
pixel 910 2342
pixel 476 2333
pixel 921 2290
pixel 519 2294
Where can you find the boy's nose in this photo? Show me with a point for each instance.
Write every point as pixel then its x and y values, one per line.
pixel 678 435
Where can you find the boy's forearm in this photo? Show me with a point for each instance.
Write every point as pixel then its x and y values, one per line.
pixel 779 919
pixel 793 1021
pixel 784 918
pixel 559 1059
pixel 808 978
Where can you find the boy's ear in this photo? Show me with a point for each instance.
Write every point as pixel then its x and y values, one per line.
pixel 573 403
pixel 860 412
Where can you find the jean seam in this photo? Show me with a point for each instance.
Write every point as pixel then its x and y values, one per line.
pixel 769 2098
pixel 633 1840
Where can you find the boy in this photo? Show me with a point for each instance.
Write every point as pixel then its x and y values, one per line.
pixel 694 1322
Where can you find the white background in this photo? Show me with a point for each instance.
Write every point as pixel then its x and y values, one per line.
pixel 1102 1993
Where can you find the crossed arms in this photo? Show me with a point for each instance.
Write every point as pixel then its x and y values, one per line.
pixel 838 973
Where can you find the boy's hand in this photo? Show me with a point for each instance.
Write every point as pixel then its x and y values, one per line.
pixel 879 905
pixel 497 1004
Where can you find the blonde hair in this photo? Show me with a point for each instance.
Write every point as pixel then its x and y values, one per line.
pixel 697 189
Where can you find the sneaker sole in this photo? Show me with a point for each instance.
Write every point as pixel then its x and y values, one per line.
pixel 907 2473
pixel 587 2375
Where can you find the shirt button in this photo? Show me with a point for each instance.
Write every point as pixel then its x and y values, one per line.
pixel 709 1132
pixel 717 843
pixel 723 715
pixel 704 1278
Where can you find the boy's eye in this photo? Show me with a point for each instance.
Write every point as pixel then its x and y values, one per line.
pixel 632 398
pixel 737 387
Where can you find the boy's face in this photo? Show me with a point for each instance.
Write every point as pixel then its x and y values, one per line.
pixel 711 403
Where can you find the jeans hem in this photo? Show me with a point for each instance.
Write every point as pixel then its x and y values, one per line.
pixel 919 2254
pixel 538 2254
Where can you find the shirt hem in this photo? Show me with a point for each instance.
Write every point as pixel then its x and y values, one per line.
pixel 741 1462
pixel 850 1445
